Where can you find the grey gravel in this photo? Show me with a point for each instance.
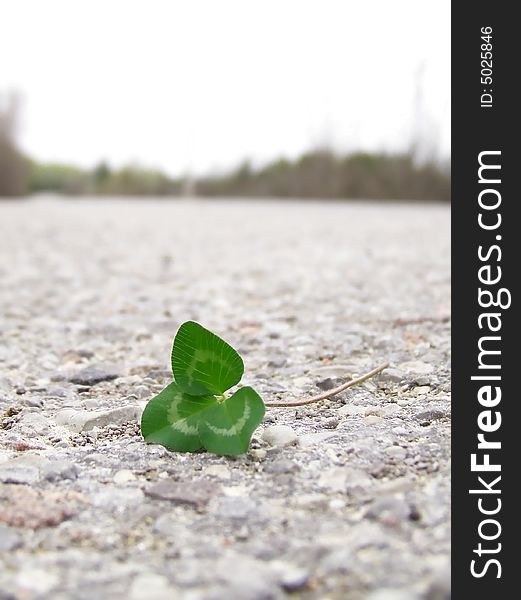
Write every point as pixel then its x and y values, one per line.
pixel 59 469
pixel 427 416
pixel 195 494
pixel 93 375
pixel 10 539
pixel 391 375
pixel 235 509
pixel 34 402
pixel 18 474
pixel 390 510
pixel 351 503
pixel 282 466
pixel 329 383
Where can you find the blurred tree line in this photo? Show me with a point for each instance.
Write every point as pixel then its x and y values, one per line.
pixel 132 180
pixel 324 174
pixel 14 167
pixel 317 174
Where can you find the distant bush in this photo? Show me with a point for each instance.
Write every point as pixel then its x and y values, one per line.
pixel 324 174
pixel 14 167
pixel 318 174
pixel 137 181
pixel 101 180
pixel 60 178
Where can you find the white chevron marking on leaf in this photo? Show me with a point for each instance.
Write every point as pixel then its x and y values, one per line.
pixel 178 422
pixel 235 428
pixel 183 427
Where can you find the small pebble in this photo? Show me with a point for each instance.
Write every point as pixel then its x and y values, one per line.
pixel 10 539
pixel 396 452
pixel 59 469
pixel 373 420
pixel 219 471
pixel 258 453
pixel 279 435
pixel 124 476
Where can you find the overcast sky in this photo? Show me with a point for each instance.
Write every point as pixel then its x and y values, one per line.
pixel 198 85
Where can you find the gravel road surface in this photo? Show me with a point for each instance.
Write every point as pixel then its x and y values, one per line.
pixel 347 499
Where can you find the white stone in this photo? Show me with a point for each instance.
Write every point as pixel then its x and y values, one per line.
pixel 14 474
pixel 220 471
pixel 302 382
pixel 417 367
pixel 290 576
pixel 258 453
pixel 91 404
pixel 80 420
pixel 33 423
pixel 422 389
pixel 312 439
pixel 373 420
pixel 351 409
pixel 24 469
pixel 310 501
pixel 124 476
pixel 112 498
pixel 279 435
pixel 404 402
pixel 334 371
pixel 391 375
pixel 376 411
pixel 391 594
pixel 237 491
pixel 150 586
pixel 344 479
pixel 37 581
pixel 396 452
pixel 391 409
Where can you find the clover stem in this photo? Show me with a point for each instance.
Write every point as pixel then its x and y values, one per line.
pixel 333 392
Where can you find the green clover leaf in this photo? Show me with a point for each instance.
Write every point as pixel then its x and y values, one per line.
pixel 193 412
pixel 202 363
pixel 226 427
pixel 172 419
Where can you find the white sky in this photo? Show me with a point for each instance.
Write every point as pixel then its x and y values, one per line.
pixel 199 85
